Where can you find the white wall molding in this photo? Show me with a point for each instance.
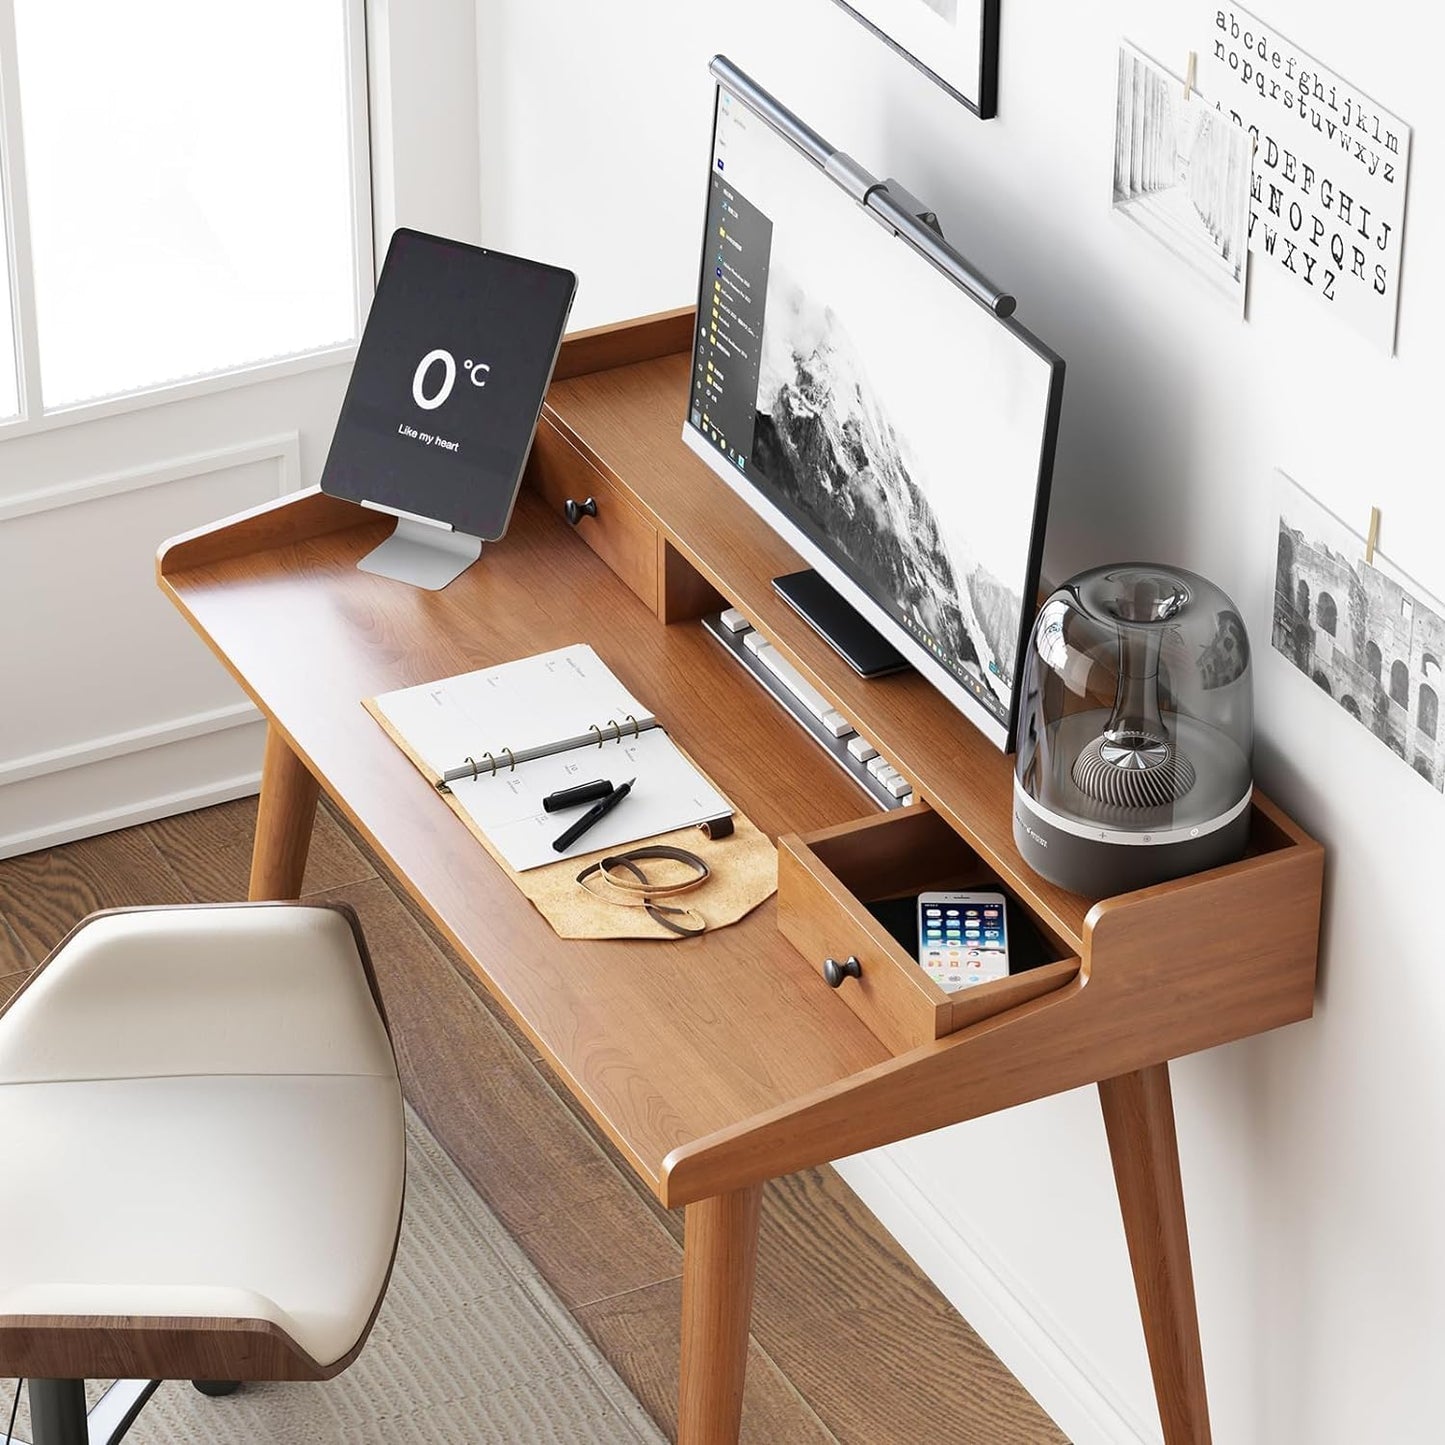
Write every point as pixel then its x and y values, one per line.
pixel 134 740
pixel 284 447
pixel 1053 1368
pixel 261 373
pixel 168 735
pixel 130 814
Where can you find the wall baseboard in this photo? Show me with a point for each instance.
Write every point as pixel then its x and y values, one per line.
pixel 134 740
pixel 1018 1330
pixel 128 815
pixel 102 784
pixel 136 776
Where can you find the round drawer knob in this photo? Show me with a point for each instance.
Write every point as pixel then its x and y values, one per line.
pixel 577 510
pixel 836 972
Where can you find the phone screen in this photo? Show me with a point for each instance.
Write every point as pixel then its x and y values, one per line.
pixel 962 938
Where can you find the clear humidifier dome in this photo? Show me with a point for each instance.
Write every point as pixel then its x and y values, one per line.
pixel 1135 731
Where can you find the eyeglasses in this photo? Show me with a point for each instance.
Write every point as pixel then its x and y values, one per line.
pixel 638 891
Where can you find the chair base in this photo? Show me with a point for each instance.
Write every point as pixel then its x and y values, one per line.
pixel 58 1415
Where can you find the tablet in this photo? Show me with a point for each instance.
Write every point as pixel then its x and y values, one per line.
pixel 448 383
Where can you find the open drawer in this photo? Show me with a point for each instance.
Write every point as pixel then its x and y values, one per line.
pixel 826 880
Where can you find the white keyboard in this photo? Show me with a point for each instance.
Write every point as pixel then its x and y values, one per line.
pixel 858 757
pixel 798 685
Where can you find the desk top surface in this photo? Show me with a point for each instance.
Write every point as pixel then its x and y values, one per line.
pixel 666 1044
pixel 662 1042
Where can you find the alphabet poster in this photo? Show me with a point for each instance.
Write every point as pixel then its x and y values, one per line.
pixel 1327 199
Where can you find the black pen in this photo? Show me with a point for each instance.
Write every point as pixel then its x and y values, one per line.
pixel 596 812
pixel 575 797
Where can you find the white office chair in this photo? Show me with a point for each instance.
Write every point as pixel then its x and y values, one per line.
pixel 202 1124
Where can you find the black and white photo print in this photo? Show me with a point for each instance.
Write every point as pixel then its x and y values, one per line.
pixel 1181 173
pixel 1364 635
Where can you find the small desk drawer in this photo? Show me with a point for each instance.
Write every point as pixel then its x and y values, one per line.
pixel 617 532
pixel 825 881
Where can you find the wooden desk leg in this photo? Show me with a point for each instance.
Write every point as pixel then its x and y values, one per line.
pixel 719 1264
pixel 283 822
pixel 1139 1120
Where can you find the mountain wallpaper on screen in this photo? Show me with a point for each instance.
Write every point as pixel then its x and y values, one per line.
pixel 824 440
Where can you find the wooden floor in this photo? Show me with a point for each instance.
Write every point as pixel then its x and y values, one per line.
pixel 842 1317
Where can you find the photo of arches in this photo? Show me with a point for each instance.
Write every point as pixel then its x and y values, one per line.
pixel 1372 641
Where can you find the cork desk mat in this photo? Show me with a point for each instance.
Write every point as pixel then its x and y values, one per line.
pixel 744 872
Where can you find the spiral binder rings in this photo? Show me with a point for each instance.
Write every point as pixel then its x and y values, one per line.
pixel 498 740
pixel 472 769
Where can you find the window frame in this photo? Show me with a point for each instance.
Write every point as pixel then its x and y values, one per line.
pixel 33 417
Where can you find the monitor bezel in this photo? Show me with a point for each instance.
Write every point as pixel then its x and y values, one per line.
pixel 936 252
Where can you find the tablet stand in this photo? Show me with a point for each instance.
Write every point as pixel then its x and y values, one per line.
pixel 425 554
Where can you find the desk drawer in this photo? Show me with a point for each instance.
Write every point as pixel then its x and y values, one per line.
pixel 826 880
pixel 618 533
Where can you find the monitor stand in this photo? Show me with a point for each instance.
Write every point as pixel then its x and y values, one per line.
pixel 423 553
pixel 857 642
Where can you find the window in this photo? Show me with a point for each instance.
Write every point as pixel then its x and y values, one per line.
pixel 1373 660
pixel 1400 683
pixel 1284 555
pixel 189 178
pixel 1428 714
pixel 1302 599
pixel 1325 613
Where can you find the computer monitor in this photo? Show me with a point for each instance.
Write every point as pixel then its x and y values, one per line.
pixel 870 396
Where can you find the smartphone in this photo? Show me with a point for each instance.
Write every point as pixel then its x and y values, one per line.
pixel 962 938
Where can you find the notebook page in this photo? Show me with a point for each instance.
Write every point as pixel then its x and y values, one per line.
pixel 669 793
pixel 538 703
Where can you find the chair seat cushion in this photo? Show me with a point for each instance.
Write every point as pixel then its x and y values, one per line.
pixel 143 1182
pixel 175 1196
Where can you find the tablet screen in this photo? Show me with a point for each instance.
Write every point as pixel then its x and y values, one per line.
pixel 448 382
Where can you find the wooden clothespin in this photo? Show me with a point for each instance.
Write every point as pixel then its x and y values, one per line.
pixel 1372 537
pixel 1191 72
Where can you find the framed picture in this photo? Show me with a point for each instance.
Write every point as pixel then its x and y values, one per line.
pixel 953 42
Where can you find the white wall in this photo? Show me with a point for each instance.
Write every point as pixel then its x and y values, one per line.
pixel 112 711
pixel 1313 1162
pixel 422 79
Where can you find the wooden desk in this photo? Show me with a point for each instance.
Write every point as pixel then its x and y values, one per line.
pixel 717 1063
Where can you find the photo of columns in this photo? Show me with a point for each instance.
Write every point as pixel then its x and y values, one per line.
pixel 1181 173
pixel 1367 636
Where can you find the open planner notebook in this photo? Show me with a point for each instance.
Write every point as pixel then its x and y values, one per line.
pixel 503 738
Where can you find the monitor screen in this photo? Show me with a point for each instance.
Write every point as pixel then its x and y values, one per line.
pixel 898 433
